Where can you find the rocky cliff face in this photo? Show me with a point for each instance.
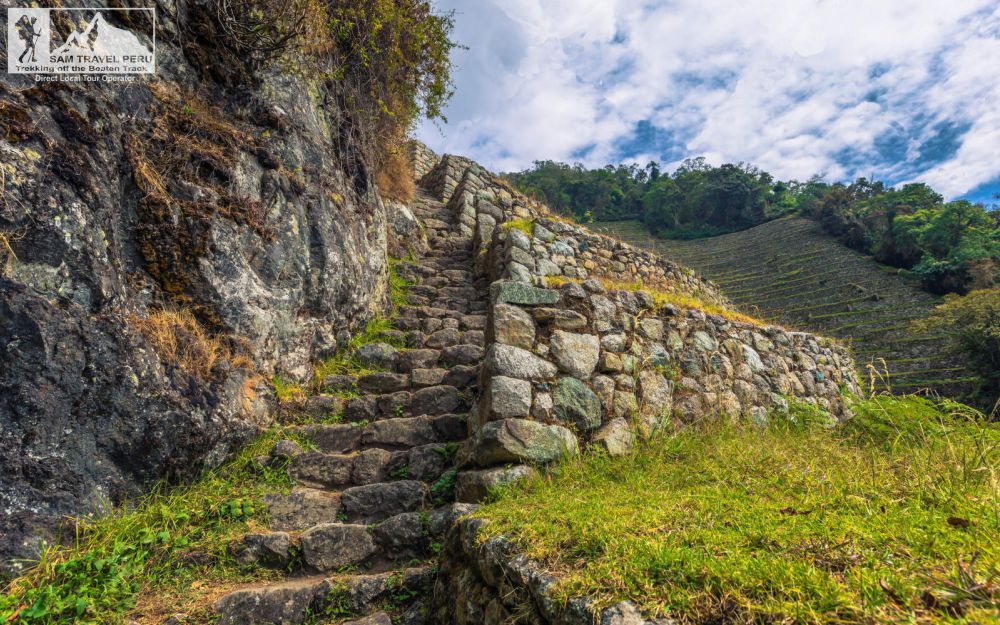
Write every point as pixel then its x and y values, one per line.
pixel 207 188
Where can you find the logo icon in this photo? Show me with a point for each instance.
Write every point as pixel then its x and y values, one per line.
pixel 37 41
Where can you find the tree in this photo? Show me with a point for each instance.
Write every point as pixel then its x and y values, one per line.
pixel 973 323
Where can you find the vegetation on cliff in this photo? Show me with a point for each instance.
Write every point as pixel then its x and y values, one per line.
pixel 891 517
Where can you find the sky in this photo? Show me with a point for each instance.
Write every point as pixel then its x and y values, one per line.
pixel 902 90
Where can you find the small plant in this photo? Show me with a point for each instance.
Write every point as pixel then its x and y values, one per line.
pixel 399 285
pixel 402 472
pixel 425 522
pixel 287 392
pixel 181 340
pixel 96 578
pixel 671 371
pixel 443 490
pixel 448 451
pixel 526 226
pixel 333 418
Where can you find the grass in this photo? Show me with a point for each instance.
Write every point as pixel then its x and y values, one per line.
pixel 169 548
pixel 891 518
pixel 527 226
pixel 288 392
pixel 399 286
pixel 378 330
pixel 662 299
pixel 181 340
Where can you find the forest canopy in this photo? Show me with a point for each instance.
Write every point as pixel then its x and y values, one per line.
pixel 953 247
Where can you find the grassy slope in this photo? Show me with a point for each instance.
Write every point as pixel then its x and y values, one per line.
pixel 169 548
pixel 789 271
pixel 892 518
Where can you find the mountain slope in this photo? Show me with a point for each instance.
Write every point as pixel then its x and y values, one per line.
pixel 789 271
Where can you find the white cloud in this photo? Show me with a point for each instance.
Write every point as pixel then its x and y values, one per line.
pixel 790 85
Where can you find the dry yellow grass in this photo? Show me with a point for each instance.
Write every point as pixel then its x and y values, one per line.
pixel 5 248
pixel 663 298
pixel 394 176
pixel 181 340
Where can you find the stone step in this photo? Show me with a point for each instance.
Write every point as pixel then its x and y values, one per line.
pixel 366 530
pixel 428 312
pixel 388 434
pixel 297 601
pixel 435 391
pixel 317 469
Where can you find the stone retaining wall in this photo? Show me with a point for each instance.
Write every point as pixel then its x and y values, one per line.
pixel 422 158
pixel 571 363
pixel 490 583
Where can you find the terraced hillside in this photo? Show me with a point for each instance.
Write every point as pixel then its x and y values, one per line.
pixel 790 272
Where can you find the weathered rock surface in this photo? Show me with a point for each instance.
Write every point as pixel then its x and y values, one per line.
pixel 332 546
pixel 282 262
pixel 521 440
pixel 574 402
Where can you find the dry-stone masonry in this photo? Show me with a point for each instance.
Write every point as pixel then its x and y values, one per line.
pixel 503 375
pixel 581 364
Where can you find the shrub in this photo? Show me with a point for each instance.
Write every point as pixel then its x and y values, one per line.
pixel 391 64
pixel 526 226
pixel 973 323
pixel 180 340
pixel 259 31
pixel 394 176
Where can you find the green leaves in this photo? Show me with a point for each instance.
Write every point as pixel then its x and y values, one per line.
pixel 234 510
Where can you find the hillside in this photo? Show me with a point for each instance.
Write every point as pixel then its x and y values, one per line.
pixel 791 272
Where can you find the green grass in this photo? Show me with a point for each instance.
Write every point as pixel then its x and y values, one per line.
pixel 164 546
pixel 286 391
pixel 378 330
pixel 891 518
pixel 526 226
pixel 399 286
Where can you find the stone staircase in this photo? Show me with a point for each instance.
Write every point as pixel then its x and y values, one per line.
pixel 375 491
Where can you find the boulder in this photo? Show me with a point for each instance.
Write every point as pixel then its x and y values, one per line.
pixel 509 397
pixel 513 326
pixel 475 486
pixel 507 292
pixel 576 354
pixel 514 362
pixel 656 395
pixel 378 356
pixel 436 400
pixel 379 618
pixel 520 440
pixel 301 509
pixel 379 501
pixel 574 402
pixel 284 603
pixel 331 546
pixel 615 437
pixel 269 550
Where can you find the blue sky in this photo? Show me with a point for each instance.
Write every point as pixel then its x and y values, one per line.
pixel 905 90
